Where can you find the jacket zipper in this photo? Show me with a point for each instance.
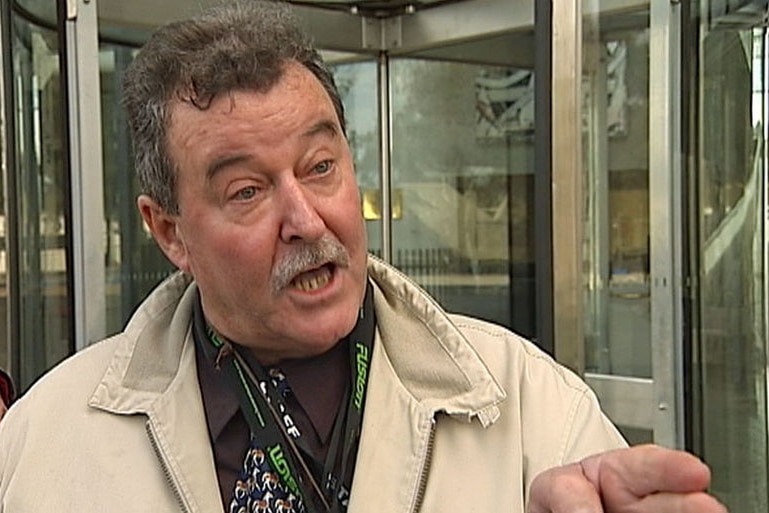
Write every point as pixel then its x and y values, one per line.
pixel 166 471
pixel 426 463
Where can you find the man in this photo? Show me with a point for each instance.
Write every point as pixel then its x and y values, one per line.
pixel 283 369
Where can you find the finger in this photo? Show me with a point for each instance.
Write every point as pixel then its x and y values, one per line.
pixel 698 502
pixel 646 469
pixel 563 490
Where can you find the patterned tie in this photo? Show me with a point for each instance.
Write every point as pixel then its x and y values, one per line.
pixel 258 488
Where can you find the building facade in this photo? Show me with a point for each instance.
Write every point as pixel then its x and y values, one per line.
pixel 589 173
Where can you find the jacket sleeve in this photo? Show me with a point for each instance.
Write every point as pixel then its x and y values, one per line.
pixel 13 430
pixel 590 431
pixel 556 415
pixel 562 421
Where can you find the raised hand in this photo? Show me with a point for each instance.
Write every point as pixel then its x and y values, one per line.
pixel 640 479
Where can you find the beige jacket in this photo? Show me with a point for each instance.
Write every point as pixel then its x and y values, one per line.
pixel 460 416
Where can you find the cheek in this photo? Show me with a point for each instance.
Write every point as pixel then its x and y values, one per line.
pixel 359 227
pixel 237 253
pixel 245 254
pixel 349 220
pixel 237 272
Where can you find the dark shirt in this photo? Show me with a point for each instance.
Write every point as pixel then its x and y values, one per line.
pixel 318 387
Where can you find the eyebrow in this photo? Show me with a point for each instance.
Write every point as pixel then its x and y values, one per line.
pixel 221 163
pixel 322 127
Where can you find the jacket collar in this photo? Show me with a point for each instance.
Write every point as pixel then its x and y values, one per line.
pixel 156 343
pixel 431 357
pixel 428 353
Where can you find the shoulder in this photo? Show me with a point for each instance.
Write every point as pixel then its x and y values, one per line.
pixel 558 413
pixel 86 366
pixel 510 354
pixel 54 407
pixel 66 386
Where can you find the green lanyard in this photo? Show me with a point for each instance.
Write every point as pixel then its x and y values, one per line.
pixel 271 423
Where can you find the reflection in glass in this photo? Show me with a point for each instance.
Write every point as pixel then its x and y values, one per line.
pixel 45 326
pixel 730 205
pixel 463 159
pixel 134 263
pixel 616 147
pixel 357 84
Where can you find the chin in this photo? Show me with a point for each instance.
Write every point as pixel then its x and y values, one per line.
pixel 328 338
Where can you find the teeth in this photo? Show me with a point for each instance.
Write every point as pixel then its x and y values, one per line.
pixel 312 281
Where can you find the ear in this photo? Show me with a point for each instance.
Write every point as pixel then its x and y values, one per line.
pixel 165 230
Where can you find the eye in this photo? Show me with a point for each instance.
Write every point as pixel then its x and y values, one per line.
pixel 323 167
pixel 246 193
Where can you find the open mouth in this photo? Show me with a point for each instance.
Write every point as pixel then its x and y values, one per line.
pixel 314 279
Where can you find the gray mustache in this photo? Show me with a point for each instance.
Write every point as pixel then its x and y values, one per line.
pixel 306 256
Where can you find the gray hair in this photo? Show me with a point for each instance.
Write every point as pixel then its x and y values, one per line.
pixel 237 46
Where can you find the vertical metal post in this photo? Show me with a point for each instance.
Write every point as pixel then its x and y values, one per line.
pixel 567 183
pixel 10 207
pixel 543 201
pixel 596 192
pixel 665 216
pixel 763 208
pixel 385 149
pixel 87 230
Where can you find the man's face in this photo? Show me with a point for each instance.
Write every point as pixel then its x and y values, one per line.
pixel 269 222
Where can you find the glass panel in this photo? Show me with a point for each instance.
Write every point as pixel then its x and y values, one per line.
pixel 6 110
pixel 463 179
pixel 134 263
pixel 616 148
pixel 637 436
pixel 729 221
pixel 43 11
pixel 357 84
pixel 45 324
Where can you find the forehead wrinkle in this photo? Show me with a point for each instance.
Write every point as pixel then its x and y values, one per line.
pixel 219 162
pixel 226 105
pixel 322 127
pixel 224 162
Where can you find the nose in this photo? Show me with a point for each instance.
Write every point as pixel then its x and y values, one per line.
pixel 300 218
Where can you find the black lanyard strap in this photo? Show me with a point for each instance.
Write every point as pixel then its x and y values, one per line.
pixel 271 423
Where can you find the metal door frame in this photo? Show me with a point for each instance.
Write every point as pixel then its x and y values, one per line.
pixel 657 403
pixel 87 234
